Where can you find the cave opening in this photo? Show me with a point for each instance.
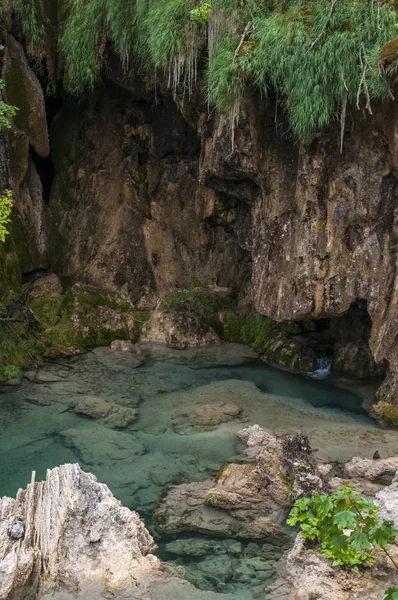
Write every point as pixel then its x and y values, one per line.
pixel 45 169
pixel 344 341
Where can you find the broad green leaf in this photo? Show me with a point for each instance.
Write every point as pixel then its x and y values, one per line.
pixel 345 519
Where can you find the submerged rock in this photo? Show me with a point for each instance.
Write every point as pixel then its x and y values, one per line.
pixel 96 445
pixel 109 414
pixel 206 417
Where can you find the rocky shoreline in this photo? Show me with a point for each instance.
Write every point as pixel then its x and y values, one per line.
pixel 68 537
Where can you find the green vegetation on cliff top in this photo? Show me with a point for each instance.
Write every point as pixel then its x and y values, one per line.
pixel 317 56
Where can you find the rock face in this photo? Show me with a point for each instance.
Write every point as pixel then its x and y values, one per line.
pixel 70 515
pixel 246 501
pixel 23 90
pixel 296 232
pixel 147 193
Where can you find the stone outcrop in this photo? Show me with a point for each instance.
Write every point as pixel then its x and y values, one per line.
pixel 310 576
pixel 246 501
pixel 23 90
pixel 68 538
pixel 70 515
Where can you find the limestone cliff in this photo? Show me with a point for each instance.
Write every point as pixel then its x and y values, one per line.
pixel 149 190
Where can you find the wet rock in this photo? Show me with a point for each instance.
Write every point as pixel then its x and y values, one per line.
pixel 126 346
pixel 380 471
pixel 109 414
pixel 216 569
pixel 206 417
pixel 41 376
pixel 194 547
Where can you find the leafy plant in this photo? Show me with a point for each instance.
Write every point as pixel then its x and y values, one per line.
pixel 344 525
pixel 6 202
pixel 12 372
pixel 6 110
pixel 201 13
pixel 196 302
pixel 391 593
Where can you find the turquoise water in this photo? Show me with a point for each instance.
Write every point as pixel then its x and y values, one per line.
pixel 40 430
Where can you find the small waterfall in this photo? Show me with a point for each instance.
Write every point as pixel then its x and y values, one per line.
pixel 323 368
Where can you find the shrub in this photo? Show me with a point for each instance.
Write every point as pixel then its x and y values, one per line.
pixel 6 202
pixel 344 526
pixel 12 372
pixel 195 303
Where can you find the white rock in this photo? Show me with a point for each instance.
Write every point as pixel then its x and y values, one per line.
pixel 383 469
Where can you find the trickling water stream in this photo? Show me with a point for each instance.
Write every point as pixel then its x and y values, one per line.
pixel 323 368
pixel 39 429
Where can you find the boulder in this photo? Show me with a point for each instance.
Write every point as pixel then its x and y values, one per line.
pixel 47 285
pixel 381 470
pixel 178 330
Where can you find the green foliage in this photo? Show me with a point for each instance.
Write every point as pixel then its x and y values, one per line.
pixel 391 593
pixel 201 13
pixel 6 202
pixel 390 413
pixel 344 525
pixel 196 302
pixel 314 58
pixel 12 372
pixel 6 112
pixel 82 42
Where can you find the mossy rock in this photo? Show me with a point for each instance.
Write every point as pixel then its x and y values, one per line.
pixel 390 413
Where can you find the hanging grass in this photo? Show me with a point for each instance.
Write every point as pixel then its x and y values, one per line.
pixel 318 56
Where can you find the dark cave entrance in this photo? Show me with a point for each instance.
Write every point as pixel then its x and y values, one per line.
pixel 344 340
pixel 44 165
pixel 45 169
